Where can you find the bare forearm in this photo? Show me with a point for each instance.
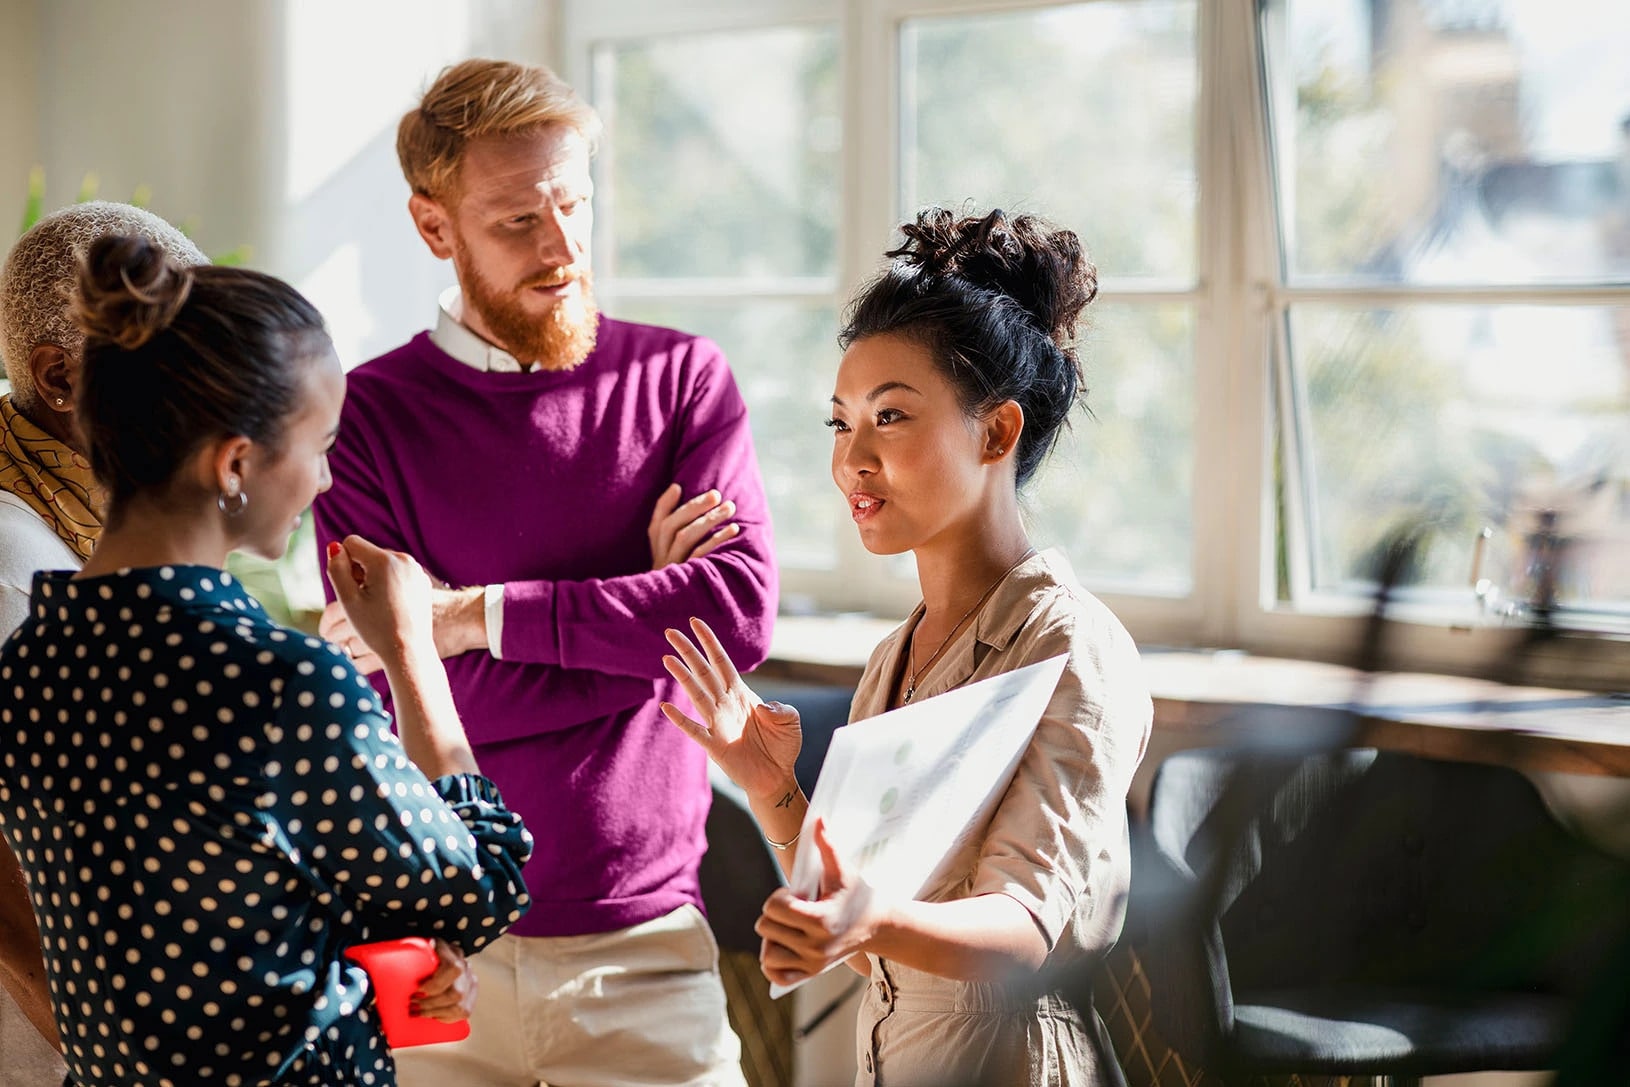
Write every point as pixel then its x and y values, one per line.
pixel 988 938
pixel 780 814
pixel 426 717
pixel 460 617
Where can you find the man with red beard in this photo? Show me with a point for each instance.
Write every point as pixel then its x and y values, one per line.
pixel 585 483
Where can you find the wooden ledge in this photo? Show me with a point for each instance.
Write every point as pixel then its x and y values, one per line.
pixel 1196 693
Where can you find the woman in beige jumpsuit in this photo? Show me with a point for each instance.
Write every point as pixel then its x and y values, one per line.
pixel 958 373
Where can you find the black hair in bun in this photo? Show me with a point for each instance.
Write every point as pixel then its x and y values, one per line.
pixel 176 356
pixel 996 301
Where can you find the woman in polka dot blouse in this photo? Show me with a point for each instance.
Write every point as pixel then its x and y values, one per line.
pixel 210 808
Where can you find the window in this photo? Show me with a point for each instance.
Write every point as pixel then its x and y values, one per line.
pixel 986 98
pixel 1453 215
pixel 720 215
pixel 1364 263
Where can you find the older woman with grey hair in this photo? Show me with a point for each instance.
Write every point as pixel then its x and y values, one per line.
pixel 50 517
pixel 48 510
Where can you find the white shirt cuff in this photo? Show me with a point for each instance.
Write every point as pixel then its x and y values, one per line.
pixel 495 620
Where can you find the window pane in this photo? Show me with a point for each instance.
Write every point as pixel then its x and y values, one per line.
pixel 1116 495
pixel 1452 141
pixel 721 155
pixel 1469 416
pixel 1083 113
pixel 784 356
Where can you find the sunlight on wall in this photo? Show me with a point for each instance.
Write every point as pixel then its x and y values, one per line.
pixel 335 288
pixel 348 73
pixel 340 97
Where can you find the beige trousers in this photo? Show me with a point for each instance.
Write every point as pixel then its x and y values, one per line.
pixel 637 1007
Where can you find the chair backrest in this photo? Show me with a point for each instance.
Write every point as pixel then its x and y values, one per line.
pixel 738 871
pixel 1380 868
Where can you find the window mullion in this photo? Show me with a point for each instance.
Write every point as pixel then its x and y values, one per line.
pixel 1230 420
pixel 871 83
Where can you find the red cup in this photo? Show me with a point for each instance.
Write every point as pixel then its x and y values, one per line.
pixel 397 969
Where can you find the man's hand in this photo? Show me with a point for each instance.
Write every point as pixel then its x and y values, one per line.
pixel 688 531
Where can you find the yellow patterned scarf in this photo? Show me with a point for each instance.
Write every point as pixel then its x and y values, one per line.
pixel 55 481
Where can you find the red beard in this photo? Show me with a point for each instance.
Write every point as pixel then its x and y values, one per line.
pixel 559 340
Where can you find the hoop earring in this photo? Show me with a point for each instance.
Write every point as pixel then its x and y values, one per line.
pixel 232 503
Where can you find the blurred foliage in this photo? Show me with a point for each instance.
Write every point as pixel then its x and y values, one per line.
pixel 1083 114
pixel 1086 114
pixel 89 186
pixel 739 133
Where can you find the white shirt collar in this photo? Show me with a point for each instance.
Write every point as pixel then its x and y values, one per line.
pixel 453 336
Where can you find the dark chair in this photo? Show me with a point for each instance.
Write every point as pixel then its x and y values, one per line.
pixel 1367 913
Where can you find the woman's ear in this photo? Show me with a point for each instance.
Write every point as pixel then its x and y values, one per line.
pixel 1003 426
pixel 53 369
pixel 227 465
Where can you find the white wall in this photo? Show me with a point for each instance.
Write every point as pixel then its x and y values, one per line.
pixel 19 146
pixel 166 95
pixel 266 123
pixel 342 232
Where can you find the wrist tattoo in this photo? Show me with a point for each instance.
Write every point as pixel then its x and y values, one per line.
pixel 786 801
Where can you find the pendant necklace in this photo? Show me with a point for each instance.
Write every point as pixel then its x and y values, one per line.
pixel 911 647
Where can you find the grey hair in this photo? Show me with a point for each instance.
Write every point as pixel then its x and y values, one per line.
pixel 37 281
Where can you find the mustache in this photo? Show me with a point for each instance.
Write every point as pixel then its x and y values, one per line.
pixel 553 279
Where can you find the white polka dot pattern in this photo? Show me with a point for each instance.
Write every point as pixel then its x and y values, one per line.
pixel 210 808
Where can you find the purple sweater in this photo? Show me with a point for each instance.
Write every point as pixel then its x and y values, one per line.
pixel 545 482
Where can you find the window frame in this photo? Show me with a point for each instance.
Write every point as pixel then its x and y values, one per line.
pixel 1240 301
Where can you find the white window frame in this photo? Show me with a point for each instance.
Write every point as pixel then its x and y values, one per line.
pixel 1239 300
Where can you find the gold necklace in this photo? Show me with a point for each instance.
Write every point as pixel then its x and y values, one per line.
pixel 911 646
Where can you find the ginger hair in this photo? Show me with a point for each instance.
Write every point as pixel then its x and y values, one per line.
pixel 480 98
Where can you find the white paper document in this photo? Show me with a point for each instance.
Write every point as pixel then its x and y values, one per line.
pixel 901 791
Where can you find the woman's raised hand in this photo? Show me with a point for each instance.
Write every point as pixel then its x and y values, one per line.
pixel 386 598
pixel 754 742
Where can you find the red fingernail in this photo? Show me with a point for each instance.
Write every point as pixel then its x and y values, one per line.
pixel 333 548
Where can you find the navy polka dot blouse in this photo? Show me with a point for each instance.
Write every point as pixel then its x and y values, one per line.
pixel 210 808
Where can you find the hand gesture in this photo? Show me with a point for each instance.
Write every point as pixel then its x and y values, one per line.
pixel 385 599
pixel 802 937
pixel 755 743
pixel 457 620
pixel 679 532
pixel 448 995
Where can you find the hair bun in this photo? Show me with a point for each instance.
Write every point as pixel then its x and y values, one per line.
pixel 1040 267
pixel 129 290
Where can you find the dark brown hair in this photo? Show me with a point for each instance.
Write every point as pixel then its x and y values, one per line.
pixel 995 301
pixel 176 356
